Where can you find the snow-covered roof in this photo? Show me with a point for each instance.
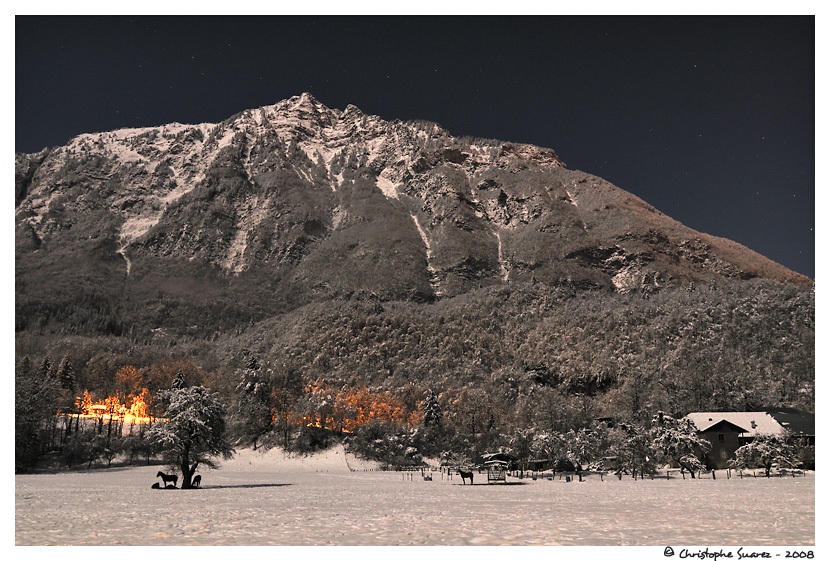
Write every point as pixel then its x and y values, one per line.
pixel 753 422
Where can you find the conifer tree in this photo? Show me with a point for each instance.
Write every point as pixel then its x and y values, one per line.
pixel 179 383
pixel 35 401
pixel 432 410
pixel 253 411
pixel 66 380
pixel 66 374
pixel 46 369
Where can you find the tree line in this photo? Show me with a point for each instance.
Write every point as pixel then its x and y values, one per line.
pixel 271 407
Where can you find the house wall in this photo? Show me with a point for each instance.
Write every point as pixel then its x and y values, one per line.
pixel 722 450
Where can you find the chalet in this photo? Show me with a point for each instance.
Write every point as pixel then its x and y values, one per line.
pixel 727 431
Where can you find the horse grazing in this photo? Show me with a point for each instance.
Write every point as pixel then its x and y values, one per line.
pixel 465 475
pixel 197 482
pixel 165 478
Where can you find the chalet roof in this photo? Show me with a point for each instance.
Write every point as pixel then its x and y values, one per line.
pixel 753 422
pixel 723 425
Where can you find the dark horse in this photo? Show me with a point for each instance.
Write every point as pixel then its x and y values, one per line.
pixel 465 475
pixel 197 482
pixel 165 478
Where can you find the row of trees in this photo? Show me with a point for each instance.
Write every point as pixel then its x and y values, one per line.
pixel 636 449
pixel 274 406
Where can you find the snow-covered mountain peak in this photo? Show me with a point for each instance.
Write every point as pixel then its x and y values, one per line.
pixel 282 187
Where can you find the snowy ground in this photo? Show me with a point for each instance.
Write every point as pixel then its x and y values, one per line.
pixel 269 499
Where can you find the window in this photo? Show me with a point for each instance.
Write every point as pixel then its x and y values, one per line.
pixel 720 437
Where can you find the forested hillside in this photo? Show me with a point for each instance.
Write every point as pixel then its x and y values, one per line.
pixel 356 270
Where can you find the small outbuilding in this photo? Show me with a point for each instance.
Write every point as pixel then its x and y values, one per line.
pixel 496 471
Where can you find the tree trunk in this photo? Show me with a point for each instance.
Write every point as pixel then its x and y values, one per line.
pixel 187 475
pixel 682 467
pixel 67 420
pixel 187 470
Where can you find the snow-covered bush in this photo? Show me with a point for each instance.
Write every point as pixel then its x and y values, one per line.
pixel 766 451
pixel 677 440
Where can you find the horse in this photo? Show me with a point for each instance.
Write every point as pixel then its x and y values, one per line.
pixel 465 475
pixel 165 478
pixel 197 482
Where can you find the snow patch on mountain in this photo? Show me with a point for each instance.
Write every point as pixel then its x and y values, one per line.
pixel 387 187
pixel 122 251
pixel 337 217
pixel 571 198
pixel 251 213
pixel 503 263
pixel 339 178
pixel 433 272
pixel 137 226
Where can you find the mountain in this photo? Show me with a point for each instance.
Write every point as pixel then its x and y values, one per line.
pixel 294 203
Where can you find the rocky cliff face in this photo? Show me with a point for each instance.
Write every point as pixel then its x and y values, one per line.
pixel 297 202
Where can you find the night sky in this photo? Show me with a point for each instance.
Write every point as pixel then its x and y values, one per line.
pixel 709 119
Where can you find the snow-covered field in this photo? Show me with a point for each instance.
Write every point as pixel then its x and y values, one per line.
pixel 270 499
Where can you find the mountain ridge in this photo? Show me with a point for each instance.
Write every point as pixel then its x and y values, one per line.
pixel 320 203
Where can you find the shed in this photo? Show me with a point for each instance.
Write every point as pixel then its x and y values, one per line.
pixel 496 471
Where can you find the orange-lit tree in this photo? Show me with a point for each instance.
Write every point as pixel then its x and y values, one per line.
pixel 129 380
pixel 348 408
